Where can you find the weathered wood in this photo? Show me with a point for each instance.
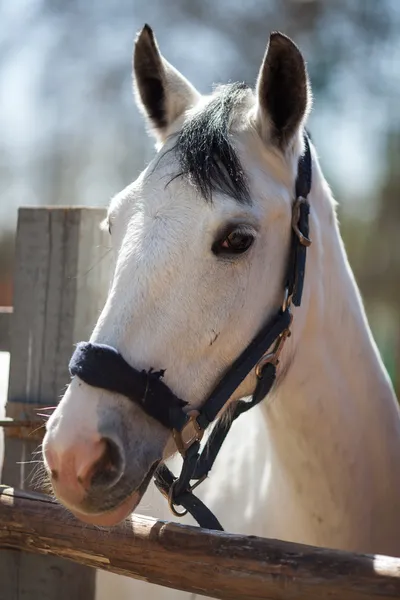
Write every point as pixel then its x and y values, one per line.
pixel 60 284
pixel 199 561
pixel 32 430
pixel 61 281
pixel 6 313
pixel 42 583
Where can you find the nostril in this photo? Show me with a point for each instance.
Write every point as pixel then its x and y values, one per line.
pixel 54 474
pixel 114 457
pixel 109 467
pixel 111 460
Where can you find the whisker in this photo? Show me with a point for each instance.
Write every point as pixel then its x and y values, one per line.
pixel 37 429
pixel 79 275
pixel 38 451
pixel 39 479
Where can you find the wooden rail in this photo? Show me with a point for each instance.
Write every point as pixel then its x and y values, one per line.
pixel 216 564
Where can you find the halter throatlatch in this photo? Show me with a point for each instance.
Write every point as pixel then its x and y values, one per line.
pixel 102 366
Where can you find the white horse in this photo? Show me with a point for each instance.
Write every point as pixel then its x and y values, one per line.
pixel 200 255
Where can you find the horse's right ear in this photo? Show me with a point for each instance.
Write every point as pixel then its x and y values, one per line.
pixel 162 92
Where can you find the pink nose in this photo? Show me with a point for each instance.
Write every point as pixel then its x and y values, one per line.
pixel 75 469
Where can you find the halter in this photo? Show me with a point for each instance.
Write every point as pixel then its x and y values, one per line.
pixel 102 366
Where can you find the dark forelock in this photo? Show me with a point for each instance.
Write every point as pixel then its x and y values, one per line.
pixel 204 149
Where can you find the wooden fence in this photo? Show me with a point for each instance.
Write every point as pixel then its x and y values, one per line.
pixel 216 564
pixel 61 276
pixel 61 280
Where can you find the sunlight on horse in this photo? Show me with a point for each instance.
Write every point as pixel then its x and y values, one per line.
pixel 201 241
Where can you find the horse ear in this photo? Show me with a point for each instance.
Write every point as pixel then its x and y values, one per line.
pixel 283 91
pixel 162 92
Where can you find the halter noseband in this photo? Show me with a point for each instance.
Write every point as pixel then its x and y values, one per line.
pixel 102 366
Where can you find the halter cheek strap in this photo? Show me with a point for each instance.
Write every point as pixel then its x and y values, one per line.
pixel 102 366
pixel 300 227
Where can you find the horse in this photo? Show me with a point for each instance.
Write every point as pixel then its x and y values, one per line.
pixel 201 242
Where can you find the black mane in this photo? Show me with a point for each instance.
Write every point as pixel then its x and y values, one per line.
pixel 204 150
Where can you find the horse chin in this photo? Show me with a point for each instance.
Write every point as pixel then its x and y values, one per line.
pixel 111 517
pixel 119 513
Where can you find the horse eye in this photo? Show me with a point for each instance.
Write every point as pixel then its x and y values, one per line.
pixel 237 242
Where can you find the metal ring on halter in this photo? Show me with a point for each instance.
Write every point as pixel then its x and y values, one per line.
pixel 262 362
pixel 171 502
pixel 274 355
pixel 303 239
pixel 287 300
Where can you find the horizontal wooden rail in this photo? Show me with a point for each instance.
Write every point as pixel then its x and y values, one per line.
pixel 215 564
pixel 6 313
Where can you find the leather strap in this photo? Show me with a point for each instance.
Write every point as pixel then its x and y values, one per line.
pixel 197 464
pixel 304 171
pixel 165 481
pixel 297 257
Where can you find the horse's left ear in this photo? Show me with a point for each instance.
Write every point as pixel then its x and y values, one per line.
pixel 283 91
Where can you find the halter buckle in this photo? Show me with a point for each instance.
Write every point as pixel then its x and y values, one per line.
pixel 170 496
pixel 304 240
pixel 171 503
pixel 190 433
pixel 287 300
pixel 273 357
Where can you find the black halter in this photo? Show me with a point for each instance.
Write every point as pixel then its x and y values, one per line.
pixel 102 366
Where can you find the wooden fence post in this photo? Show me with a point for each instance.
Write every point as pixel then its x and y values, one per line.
pixel 61 278
pixel 5 320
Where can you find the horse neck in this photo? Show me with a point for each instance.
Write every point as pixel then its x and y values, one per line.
pixel 333 421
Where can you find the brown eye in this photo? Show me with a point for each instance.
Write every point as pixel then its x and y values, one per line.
pixel 237 242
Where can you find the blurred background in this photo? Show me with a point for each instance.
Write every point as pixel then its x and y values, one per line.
pixel 70 133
